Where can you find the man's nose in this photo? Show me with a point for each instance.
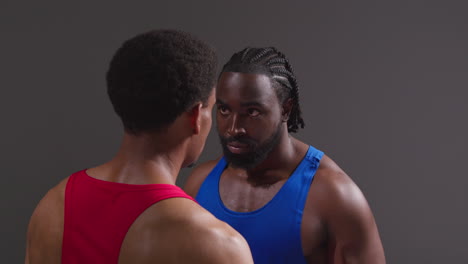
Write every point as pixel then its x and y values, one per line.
pixel 235 126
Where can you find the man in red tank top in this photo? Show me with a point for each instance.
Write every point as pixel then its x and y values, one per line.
pixel 129 210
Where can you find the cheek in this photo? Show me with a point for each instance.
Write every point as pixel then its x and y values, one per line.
pixel 220 123
pixel 261 128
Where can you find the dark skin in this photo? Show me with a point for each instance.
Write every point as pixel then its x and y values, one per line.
pixel 337 226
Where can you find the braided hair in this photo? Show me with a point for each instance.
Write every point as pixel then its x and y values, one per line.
pixel 273 63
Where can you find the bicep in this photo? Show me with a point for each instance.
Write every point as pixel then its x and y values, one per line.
pixel 352 227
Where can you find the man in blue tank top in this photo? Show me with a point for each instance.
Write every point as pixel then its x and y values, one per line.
pixel 262 186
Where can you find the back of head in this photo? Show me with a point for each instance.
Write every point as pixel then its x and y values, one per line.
pixel 156 76
pixel 274 64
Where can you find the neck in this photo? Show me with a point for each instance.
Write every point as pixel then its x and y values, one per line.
pixel 144 159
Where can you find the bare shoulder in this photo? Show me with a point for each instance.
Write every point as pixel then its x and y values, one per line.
pixel 178 230
pixel 337 189
pixel 198 175
pixel 346 213
pixel 49 211
pixel 44 237
pixel 218 242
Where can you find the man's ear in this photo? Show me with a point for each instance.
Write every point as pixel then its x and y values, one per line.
pixel 195 118
pixel 286 109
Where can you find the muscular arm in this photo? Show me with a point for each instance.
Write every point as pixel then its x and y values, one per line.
pixel 338 225
pixel 351 226
pixel 45 230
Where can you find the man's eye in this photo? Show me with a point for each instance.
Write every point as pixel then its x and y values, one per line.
pixel 253 112
pixel 223 110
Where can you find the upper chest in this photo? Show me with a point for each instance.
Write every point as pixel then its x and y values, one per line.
pixel 239 195
pixel 284 205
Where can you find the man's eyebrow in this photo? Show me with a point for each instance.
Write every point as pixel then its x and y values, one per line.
pixel 245 104
pixel 220 102
pixel 253 103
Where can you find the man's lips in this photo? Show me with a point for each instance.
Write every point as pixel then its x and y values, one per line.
pixel 237 148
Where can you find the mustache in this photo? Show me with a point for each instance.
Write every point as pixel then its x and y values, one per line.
pixel 241 139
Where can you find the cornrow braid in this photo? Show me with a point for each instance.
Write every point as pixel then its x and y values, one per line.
pixel 273 63
pixel 243 53
pixel 265 53
pixel 276 61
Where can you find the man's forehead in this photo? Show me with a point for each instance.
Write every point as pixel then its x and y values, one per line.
pixel 244 86
pixel 244 77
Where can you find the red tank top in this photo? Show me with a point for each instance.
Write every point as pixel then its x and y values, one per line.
pixel 98 215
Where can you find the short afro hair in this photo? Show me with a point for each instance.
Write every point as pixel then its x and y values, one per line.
pixel 156 76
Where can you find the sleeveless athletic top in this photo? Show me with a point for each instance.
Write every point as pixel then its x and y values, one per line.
pixel 99 213
pixel 273 231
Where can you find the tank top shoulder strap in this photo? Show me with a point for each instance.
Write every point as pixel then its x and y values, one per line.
pixel 304 174
pixel 219 168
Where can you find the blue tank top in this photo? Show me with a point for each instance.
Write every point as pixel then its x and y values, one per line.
pixel 273 231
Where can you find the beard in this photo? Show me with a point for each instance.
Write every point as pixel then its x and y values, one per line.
pixel 257 154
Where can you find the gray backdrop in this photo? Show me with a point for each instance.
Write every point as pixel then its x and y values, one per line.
pixel 382 86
